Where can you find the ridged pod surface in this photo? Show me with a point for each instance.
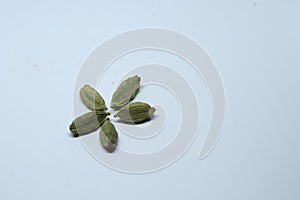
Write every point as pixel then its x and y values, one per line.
pixel 126 91
pixel 91 98
pixel 136 112
pixel 88 122
pixel 108 136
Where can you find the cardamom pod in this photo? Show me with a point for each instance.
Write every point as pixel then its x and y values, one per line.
pixel 91 98
pixel 136 112
pixel 88 122
pixel 108 136
pixel 126 91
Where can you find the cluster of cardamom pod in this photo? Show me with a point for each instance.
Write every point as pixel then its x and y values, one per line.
pixel 133 113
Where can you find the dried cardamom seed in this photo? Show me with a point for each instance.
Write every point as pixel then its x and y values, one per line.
pixel 136 112
pixel 108 136
pixel 88 122
pixel 91 98
pixel 126 91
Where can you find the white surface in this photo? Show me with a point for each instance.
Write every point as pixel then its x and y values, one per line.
pixel 255 45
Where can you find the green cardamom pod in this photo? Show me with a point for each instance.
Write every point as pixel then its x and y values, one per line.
pixel 91 98
pixel 126 91
pixel 88 122
pixel 136 112
pixel 108 136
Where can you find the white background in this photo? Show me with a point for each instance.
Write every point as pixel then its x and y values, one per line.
pixel 255 45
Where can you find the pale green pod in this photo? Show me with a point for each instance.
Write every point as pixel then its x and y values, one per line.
pixel 91 98
pixel 136 112
pixel 88 122
pixel 126 91
pixel 108 136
